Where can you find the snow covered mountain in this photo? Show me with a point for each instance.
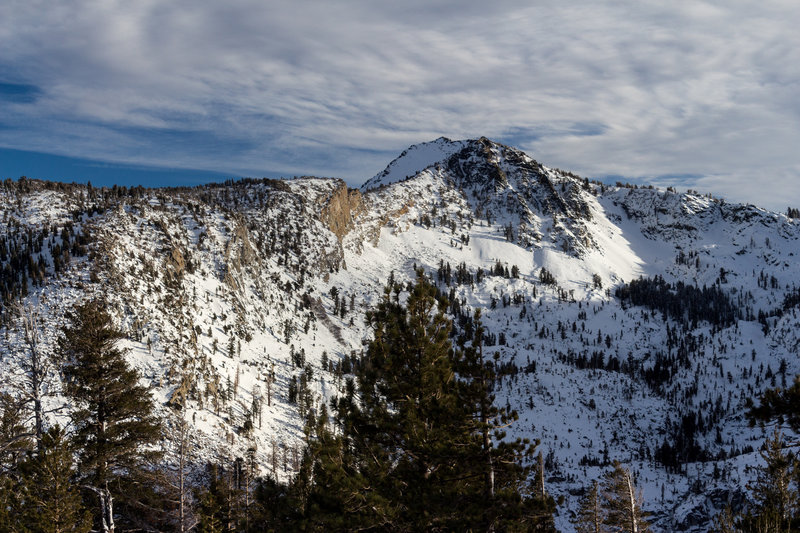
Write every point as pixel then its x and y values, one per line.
pixel 414 160
pixel 244 305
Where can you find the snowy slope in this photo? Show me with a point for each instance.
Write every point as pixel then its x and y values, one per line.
pixel 231 296
pixel 413 160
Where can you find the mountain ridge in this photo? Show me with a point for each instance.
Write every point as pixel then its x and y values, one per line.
pixel 263 283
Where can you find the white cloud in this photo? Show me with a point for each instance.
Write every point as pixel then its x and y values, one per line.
pixel 338 88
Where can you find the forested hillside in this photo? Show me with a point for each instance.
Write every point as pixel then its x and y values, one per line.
pixel 624 334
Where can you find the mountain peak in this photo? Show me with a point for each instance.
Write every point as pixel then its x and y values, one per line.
pixel 413 160
pixel 418 157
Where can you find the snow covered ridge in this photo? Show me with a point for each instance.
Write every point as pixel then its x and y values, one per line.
pixel 414 160
pixel 243 305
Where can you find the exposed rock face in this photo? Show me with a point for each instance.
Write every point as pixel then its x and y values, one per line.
pixel 239 253
pixel 341 209
pixel 176 264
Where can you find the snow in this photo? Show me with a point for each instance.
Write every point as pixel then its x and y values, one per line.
pixel 414 160
pixel 260 254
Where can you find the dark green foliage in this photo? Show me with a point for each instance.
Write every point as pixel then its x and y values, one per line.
pixel 219 506
pixel 546 277
pixel 684 303
pixel 15 437
pixel 681 443
pixel 10 501
pixel 792 299
pixel 15 442
pixel 37 490
pixel 412 450
pixel 52 501
pixel 775 498
pixel 776 491
pixel 113 415
pixel 408 418
pixel 504 500
pixel 778 405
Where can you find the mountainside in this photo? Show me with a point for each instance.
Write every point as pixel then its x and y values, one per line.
pixel 243 304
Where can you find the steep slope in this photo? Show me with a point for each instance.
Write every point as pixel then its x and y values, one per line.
pixel 244 302
pixel 414 160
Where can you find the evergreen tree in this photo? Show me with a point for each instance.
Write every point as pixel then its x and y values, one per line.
pixel 775 500
pixel 779 405
pixel 725 522
pixel 775 505
pixel 113 415
pixel 591 514
pixel 274 509
pixel 219 508
pixel 10 502
pixel 410 450
pixel 505 500
pixel 411 409
pixel 623 504
pixel 15 443
pixel 408 416
pixel 52 502
pixel 15 437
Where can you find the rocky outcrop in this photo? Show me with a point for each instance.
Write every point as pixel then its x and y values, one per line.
pixel 239 253
pixel 176 265
pixel 340 210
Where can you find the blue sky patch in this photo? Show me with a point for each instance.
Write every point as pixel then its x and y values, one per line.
pixel 38 165
pixel 19 93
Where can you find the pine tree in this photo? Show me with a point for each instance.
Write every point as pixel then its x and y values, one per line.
pixel 15 437
pixel 725 522
pixel 591 514
pixel 327 493
pixel 506 498
pixel 52 502
pixel 623 505
pixel 219 508
pixel 407 417
pixel 411 452
pixel 779 405
pixel 113 415
pixel 15 443
pixel 775 501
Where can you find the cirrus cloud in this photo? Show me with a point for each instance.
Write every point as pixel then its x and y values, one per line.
pixel 701 90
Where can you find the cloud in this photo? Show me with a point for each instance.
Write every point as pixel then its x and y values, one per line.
pixel 641 89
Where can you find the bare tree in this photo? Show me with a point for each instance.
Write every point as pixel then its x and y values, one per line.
pixel 181 436
pixel 33 383
pixel 35 367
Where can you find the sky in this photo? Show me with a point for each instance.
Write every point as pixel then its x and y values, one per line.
pixel 693 94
